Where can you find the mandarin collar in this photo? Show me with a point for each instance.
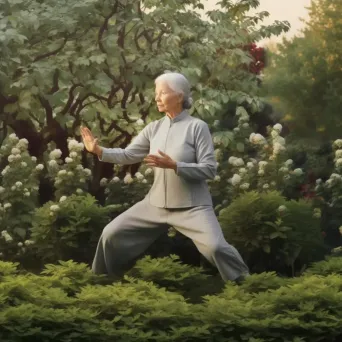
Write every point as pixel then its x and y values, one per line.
pixel 179 117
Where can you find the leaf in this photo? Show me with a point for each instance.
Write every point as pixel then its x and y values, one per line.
pixel 21 232
pixel 266 249
pixel 240 147
pixel 274 235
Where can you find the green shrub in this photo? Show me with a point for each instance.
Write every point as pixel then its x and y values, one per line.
pixel 265 308
pixel 69 229
pixel 271 232
pixel 332 265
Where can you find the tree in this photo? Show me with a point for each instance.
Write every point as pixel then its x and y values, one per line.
pixel 305 75
pixel 94 61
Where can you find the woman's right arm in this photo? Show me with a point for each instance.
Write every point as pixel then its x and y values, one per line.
pixel 133 153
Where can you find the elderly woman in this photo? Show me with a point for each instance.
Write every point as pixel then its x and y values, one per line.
pixel 180 149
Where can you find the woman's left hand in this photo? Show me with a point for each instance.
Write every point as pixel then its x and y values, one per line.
pixel 163 161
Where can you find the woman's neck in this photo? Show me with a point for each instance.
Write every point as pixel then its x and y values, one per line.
pixel 174 113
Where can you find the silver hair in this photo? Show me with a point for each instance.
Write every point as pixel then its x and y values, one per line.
pixel 178 83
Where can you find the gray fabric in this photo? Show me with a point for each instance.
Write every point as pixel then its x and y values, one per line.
pixel 129 235
pixel 186 140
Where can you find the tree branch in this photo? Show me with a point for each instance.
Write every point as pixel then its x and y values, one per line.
pixel 51 53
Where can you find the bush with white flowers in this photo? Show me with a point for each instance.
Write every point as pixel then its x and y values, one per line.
pixel 268 170
pixel 68 175
pixel 19 184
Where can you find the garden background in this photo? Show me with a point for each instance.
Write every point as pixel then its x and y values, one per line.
pixel 275 118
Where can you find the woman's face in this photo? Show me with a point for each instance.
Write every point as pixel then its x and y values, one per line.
pixel 167 99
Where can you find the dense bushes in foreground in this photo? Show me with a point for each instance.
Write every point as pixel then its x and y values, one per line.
pixel 67 302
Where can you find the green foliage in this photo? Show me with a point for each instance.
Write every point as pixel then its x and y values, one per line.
pixel 270 231
pixel 45 308
pixel 304 76
pixel 332 265
pixel 69 229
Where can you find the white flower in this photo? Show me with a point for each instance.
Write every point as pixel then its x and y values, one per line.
pixel 335 176
pixel 217 123
pixel 232 160
pixel 23 141
pixel 79 167
pixel 73 154
pixel 277 147
pixel 242 171
pixel 55 154
pixel 278 127
pixel 70 173
pixel 52 163
pixel 79 191
pixel 298 172
pixel 245 125
pixel 265 186
pixel 262 164
pixel 250 165
pixel 317 213
pixel 244 186
pixel 57 182
pixel 18 184
pixel 7 205
pixel 2 189
pixel 148 171
pixel 217 178
pixel 116 180
pixel 15 151
pixel 11 158
pixel 61 173
pixel 261 172
pixel 282 208
pixel 5 170
pixel 289 162
pixel 28 242
pixel 284 169
pixel 62 199
pixel 144 181
pixel 13 188
pixel 338 143
pixel 236 179
pixel 338 154
pixel 54 207
pixel 128 179
pixel 139 176
pixel 68 160
pixel 17 156
pixel 82 180
pixel 27 194
pixel 274 134
pixel 339 162
pixel 103 181
pixel 87 172
pixel 34 159
pixel 20 244
pixel 80 147
pixel 257 139
pixel 40 167
pixel 239 162
pixel 318 181
pixel 73 145
pixel 23 164
pixel 280 140
pixel 236 129
pixel 13 137
pixel 140 122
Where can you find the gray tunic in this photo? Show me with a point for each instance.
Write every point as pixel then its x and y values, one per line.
pixel 188 141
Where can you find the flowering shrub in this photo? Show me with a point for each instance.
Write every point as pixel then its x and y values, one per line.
pixel 19 182
pixel 269 169
pixel 69 176
pixel 271 232
pixel 329 199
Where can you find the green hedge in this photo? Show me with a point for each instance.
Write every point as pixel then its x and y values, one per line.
pixel 67 302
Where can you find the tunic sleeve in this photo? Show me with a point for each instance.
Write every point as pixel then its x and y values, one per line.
pixel 133 153
pixel 206 165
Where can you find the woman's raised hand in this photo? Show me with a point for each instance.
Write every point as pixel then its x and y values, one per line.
pixel 89 141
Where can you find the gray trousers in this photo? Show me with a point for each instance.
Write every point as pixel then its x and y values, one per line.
pixel 131 233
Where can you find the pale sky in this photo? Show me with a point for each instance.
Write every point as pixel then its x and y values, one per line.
pixel 290 10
